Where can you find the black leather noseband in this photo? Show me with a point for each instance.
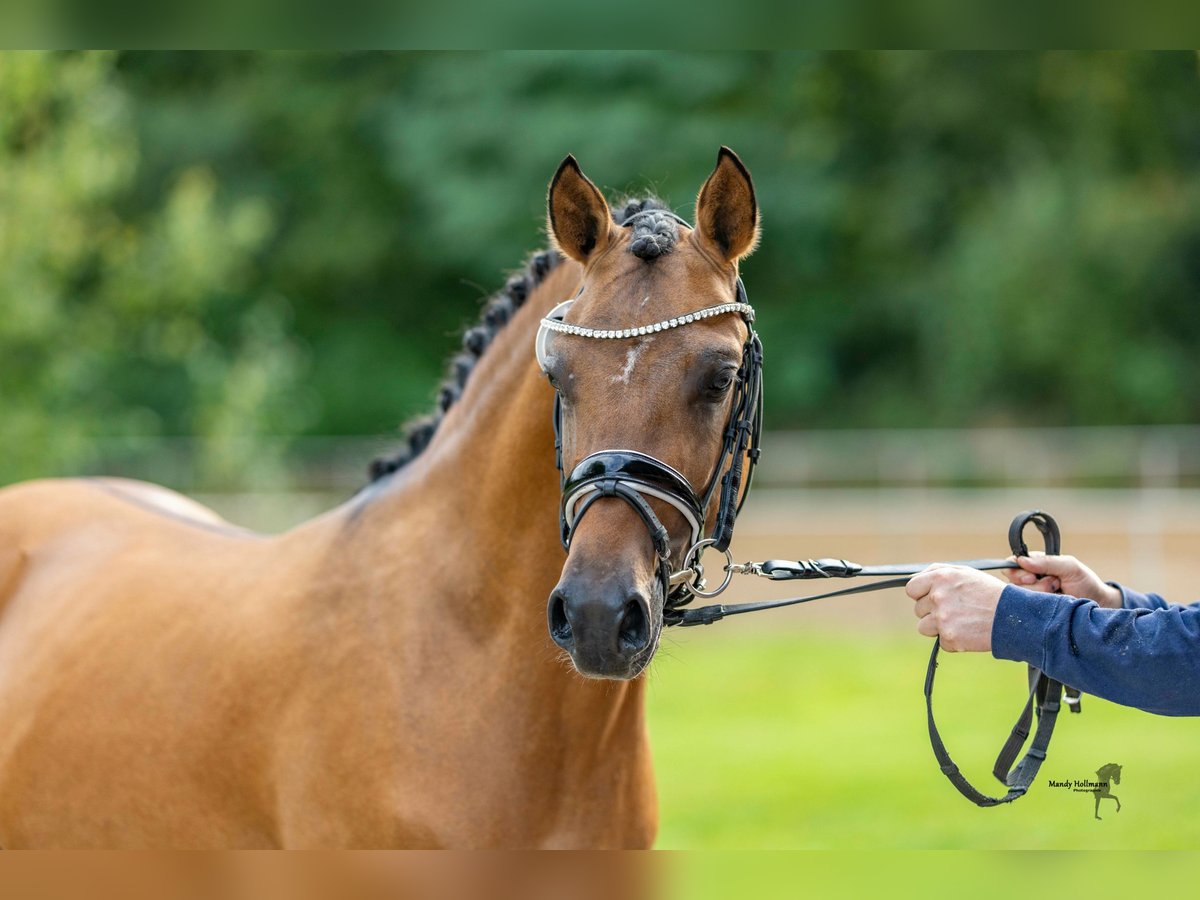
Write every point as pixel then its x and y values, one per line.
pixel 645 475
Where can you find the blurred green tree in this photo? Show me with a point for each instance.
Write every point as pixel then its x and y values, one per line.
pixel 124 318
pixel 243 244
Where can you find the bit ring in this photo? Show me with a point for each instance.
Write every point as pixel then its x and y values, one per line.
pixel 693 556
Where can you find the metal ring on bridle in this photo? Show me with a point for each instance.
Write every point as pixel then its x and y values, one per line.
pixel 693 558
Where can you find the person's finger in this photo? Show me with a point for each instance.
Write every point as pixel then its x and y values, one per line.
pixel 927 627
pixel 1020 576
pixel 923 607
pixel 918 586
pixel 1041 564
pixel 1046 585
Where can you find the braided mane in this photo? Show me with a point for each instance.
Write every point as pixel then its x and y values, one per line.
pixel 655 239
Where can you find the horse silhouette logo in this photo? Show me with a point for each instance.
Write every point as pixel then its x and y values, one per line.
pixel 1104 775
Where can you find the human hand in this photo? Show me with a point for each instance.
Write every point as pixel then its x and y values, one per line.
pixel 1051 574
pixel 956 604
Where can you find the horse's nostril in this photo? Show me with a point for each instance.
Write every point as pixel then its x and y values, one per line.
pixel 560 625
pixel 635 625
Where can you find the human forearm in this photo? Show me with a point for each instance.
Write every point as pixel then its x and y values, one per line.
pixel 1147 657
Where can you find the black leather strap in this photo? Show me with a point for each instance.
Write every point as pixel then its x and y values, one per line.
pixel 634 469
pixel 805 569
pixel 740 443
pixel 801 570
pixel 1045 693
pixel 659 536
pixel 707 615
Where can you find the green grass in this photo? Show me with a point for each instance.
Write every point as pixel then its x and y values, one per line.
pixel 794 739
pixel 897 875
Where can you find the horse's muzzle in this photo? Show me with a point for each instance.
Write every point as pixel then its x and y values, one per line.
pixel 608 629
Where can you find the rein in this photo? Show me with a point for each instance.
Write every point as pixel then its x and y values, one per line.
pixel 1045 693
pixel 637 478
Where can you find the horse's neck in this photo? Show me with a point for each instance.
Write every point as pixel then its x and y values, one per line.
pixel 460 550
pixel 431 587
pixel 482 500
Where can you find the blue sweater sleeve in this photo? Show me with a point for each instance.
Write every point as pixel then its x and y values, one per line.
pixel 1147 657
pixel 1131 599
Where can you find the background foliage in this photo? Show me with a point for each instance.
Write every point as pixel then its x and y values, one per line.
pixel 238 245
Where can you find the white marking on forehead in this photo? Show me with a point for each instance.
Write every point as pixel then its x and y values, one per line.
pixel 631 358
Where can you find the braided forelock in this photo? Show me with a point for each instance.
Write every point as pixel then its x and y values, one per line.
pixel 655 229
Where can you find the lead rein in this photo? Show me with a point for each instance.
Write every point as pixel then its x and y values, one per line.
pixel 803 570
pixel 691 576
pixel 1044 692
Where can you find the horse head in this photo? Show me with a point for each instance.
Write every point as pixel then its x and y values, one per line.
pixel 647 395
pixel 1112 772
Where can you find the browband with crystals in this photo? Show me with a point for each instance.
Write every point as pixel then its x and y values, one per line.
pixel 561 327
pixel 554 322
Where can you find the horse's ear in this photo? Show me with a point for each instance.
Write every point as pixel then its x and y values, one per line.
pixel 726 211
pixel 580 221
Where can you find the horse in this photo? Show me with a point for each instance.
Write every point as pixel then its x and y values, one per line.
pixel 384 674
pixel 1110 772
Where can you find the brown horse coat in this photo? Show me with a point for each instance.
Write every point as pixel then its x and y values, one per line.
pixel 379 676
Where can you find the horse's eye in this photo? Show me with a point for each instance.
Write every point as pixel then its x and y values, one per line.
pixel 720 383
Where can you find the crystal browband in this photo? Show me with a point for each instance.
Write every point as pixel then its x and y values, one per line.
pixel 743 309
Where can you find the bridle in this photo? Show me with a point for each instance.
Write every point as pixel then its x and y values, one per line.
pixel 636 478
